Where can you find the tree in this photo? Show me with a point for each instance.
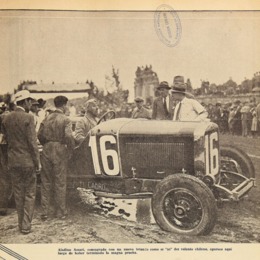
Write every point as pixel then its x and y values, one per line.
pixel 115 75
pixel 229 87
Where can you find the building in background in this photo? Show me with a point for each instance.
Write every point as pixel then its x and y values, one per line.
pixel 146 83
pixel 51 90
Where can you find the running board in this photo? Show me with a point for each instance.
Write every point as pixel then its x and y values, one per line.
pixel 143 195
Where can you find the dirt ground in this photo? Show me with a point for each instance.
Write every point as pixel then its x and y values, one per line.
pixel 236 223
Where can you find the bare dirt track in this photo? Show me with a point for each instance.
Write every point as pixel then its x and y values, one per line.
pixel 236 223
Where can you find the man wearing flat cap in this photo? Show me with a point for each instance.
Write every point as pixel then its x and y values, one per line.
pixel 187 109
pixel 140 111
pixel 23 157
pixel 88 121
pixel 55 134
pixel 163 105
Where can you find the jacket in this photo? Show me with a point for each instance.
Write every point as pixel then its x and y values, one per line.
pixel 159 112
pixel 19 129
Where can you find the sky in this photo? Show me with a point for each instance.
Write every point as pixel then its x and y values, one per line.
pixel 71 47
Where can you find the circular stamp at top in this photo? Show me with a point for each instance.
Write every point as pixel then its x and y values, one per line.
pixel 167 25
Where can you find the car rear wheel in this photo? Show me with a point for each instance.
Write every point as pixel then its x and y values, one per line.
pixel 236 160
pixel 184 205
pixel 236 166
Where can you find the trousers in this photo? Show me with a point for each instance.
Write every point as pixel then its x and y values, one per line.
pixel 24 187
pixel 5 180
pixel 54 160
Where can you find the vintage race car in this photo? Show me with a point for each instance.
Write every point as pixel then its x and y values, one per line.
pixel 179 165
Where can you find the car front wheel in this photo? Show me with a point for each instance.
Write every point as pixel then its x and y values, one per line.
pixel 184 205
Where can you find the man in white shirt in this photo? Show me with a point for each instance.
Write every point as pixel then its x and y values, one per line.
pixel 187 109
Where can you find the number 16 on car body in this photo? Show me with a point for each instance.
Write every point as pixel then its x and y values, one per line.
pixel 105 148
pixel 212 153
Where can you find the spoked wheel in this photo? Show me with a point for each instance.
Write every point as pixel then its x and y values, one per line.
pixel 185 205
pixel 182 208
pixel 107 116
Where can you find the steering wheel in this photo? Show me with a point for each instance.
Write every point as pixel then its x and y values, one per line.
pixel 111 114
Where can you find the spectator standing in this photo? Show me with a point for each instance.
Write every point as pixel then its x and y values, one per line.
pixel 34 112
pixel 210 110
pixel 237 118
pixel 217 113
pixel 254 126
pixel 5 178
pixel 23 158
pixel 55 134
pixel 258 117
pixel 224 119
pixel 245 111
pixel 41 112
pixel 140 111
pixel 231 121
pixel 163 105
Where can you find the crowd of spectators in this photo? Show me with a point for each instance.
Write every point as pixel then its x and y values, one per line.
pixel 235 118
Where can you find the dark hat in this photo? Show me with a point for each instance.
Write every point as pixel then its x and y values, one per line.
pixel 41 102
pixel 164 84
pixel 178 79
pixel 139 99
pixel 179 89
pixel 35 102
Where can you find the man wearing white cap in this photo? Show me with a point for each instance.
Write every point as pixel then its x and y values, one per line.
pixel 187 109
pixel 23 157
pixel 88 121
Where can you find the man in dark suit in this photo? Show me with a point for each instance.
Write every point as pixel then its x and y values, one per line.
pixel 23 157
pixel 163 105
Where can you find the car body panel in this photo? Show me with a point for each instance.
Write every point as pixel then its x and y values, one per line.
pixel 138 149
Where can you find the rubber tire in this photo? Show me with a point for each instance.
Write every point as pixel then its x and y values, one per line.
pixel 198 189
pixel 238 155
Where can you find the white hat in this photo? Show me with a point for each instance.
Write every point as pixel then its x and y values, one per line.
pixel 21 95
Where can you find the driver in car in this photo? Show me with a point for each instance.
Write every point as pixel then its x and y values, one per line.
pixel 88 121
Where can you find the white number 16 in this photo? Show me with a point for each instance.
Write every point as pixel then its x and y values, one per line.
pixel 105 154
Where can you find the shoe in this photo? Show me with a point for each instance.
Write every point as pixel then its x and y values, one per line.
pixel 44 217
pixel 25 231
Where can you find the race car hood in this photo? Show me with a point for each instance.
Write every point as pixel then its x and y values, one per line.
pixel 126 126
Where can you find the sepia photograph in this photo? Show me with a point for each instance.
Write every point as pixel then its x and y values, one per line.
pixel 127 132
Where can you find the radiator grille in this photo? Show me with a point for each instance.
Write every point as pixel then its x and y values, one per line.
pixel 156 154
